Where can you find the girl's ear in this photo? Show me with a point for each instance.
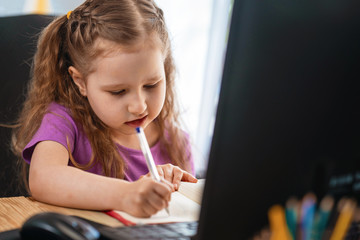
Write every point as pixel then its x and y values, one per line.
pixel 78 80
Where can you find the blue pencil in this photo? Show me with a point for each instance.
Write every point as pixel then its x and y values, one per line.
pixel 322 217
pixel 308 208
pixel 291 213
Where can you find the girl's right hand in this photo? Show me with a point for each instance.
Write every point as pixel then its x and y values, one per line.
pixel 146 196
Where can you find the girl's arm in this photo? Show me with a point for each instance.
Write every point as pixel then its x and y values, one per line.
pixel 52 181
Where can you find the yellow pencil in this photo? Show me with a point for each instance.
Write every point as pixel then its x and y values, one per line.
pixel 344 220
pixel 278 227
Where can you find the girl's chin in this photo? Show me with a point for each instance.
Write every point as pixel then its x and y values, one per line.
pixel 130 128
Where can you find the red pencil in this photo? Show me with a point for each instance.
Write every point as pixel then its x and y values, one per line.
pixel 117 216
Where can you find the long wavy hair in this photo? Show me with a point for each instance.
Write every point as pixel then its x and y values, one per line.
pixel 71 41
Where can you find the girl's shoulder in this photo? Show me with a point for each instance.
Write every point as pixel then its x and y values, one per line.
pixel 56 125
pixel 55 107
pixel 58 111
pixel 59 116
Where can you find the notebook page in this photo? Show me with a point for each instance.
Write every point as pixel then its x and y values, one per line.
pixel 181 209
pixel 194 191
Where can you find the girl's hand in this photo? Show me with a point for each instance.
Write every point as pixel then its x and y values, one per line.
pixel 175 175
pixel 146 196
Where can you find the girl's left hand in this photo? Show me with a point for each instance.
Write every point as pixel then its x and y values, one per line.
pixel 174 175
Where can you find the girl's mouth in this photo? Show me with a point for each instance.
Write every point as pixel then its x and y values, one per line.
pixel 136 123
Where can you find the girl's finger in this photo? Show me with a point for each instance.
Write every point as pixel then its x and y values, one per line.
pixel 148 208
pixel 178 175
pixel 169 184
pixel 168 173
pixel 146 175
pixel 160 171
pixel 156 201
pixel 187 177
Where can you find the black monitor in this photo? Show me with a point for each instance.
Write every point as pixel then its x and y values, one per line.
pixel 288 117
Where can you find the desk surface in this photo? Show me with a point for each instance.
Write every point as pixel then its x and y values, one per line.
pixel 15 211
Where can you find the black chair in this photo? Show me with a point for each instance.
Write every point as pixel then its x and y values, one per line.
pixel 18 37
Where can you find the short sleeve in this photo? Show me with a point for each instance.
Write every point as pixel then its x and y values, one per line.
pixel 57 125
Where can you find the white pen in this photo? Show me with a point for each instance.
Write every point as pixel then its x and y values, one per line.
pixel 148 156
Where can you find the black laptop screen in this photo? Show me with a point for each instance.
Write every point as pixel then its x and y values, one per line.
pixel 288 119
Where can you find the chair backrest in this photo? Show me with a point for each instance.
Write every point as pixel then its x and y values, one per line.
pixel 18 37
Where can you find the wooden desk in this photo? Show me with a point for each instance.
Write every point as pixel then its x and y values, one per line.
pixel 15 211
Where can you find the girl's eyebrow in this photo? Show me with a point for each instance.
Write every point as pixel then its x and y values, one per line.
pixel 114 85
pixel 155 78
pixel 123 85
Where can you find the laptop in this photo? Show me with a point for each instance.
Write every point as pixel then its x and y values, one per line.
pixel 288 117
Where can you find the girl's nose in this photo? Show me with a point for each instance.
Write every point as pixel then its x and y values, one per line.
pixel 137 105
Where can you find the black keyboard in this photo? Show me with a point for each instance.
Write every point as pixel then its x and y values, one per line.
pixel 170 231
pixel 179 231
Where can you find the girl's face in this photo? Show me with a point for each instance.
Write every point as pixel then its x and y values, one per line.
pixel 127 89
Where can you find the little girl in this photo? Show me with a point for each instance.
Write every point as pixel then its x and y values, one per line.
pixel 99 72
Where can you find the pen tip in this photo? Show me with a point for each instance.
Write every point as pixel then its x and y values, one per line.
pixel 138 129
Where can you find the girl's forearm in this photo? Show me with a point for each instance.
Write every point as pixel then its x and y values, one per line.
pixel 71 187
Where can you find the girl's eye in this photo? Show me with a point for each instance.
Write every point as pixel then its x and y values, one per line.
pixel 116 93
pixel 151 86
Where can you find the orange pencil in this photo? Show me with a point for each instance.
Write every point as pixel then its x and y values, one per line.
pixel 278 225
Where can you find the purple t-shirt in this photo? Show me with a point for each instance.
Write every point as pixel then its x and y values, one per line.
pixel 58 125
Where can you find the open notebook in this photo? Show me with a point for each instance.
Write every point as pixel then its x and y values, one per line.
pixel 183 207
